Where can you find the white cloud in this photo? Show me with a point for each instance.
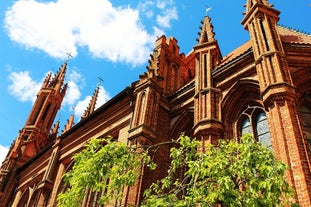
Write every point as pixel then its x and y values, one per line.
pixel 81 106
pixel 145 7
pixel 103 97
pixel 166 12
pixel 23 87
pixel 113 33
pixel 3 152
pixel 168 15
pixel 75 76
pixel 163 4
pixel 73 94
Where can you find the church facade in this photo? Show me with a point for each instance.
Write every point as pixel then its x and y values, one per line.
pixel 262 87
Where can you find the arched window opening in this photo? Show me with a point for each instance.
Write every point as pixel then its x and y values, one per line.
pixel 140 109
pixel 254 122
pixel 246 127
pixel 262 130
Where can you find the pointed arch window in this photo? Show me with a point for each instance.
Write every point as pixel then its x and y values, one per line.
pixel 140 107
pixel 262 130
pixel 254 121
pixel 246 126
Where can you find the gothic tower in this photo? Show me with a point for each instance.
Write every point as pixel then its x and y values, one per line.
pixel 35 135
pixel 207 124
pixel 165 74
pixel 143 127
pixel 278 94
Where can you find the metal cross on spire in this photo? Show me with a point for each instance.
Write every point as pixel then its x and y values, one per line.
pixel 100 79
pixel 69 56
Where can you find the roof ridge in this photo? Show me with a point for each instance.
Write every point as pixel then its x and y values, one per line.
pixel 237 52
pixel 240 45
pixel 181 89
pixel 295 30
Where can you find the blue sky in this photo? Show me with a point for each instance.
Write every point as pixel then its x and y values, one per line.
pixel 111 39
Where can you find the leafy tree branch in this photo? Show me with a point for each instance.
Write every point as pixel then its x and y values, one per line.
pixel 229 174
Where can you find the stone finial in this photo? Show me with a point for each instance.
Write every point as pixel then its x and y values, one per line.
pixel 207 31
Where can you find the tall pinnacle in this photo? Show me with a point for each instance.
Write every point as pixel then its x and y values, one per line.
pixel 57 81
pixel 251 3
pixel 207 31
pixel 92 103
pixel 54 130
pixel 69 124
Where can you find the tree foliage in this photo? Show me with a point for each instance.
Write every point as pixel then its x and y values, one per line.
pixel 103 166
pixel 230 174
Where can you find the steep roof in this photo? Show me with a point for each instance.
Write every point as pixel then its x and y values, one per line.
pixel 236 53
pixel 293 36
pixel 287 36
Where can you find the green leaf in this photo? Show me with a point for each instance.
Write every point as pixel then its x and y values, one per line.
pixel 230 174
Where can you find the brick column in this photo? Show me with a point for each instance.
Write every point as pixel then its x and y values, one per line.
pixel 289 145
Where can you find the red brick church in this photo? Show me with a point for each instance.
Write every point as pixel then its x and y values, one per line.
pixel 262 87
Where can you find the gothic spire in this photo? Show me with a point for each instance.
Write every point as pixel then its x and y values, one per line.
pixel 207 31
pixel 153 66
pixel 59 77
pixel 54 130
pixel 69 124
pixel 250 4
pixel 92 103
pixel 57 81
pixel 47 80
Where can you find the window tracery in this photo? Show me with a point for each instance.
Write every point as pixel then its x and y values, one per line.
pixel 254 121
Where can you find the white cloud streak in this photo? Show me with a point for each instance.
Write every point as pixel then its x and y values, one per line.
pixel 103 97
pixel 23 87
pixel 73 94
pixel 165 11
pixel 81 106
pixel 168 15
pixel 163 4
pixel 113 33
pixel 3 152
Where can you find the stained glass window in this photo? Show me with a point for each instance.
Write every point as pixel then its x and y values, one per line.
pixel 255 122
pixel 246 126
pixel 262 130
